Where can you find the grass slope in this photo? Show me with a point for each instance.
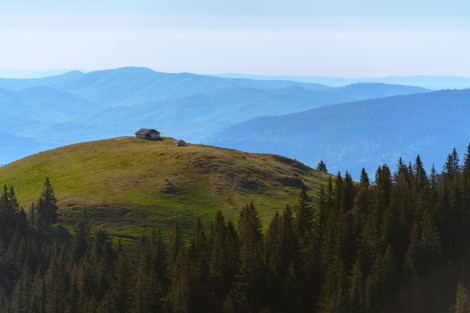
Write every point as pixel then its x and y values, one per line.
pixel 128 185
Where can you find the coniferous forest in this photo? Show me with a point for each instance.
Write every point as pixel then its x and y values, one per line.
pixel 395 242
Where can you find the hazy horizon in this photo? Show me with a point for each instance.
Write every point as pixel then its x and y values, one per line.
pixel 429 82
pixel 46 72
pixel 299 38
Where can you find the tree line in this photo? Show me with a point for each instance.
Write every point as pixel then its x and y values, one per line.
pixel 398 244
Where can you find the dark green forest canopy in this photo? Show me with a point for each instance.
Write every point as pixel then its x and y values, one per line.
pixel 397 243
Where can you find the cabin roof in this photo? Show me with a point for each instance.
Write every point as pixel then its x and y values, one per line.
pixel 145 131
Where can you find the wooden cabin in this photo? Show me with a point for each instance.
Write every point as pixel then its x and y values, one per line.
pixel 148 133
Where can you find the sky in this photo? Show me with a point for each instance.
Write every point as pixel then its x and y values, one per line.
pixel 341 38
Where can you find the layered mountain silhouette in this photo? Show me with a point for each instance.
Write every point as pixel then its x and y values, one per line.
pixel 369 133
pixel 74 107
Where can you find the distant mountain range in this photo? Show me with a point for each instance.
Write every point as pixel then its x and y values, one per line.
pixel 73 107
pixel 429 82
pixel 368 133
pixel 13 147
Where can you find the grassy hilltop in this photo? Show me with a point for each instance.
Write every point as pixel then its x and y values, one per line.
pixel 128 185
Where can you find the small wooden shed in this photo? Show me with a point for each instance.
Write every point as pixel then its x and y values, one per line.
pixel 148 133
pixel 181 143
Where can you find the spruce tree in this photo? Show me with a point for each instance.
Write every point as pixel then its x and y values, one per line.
pixel 462 302
pixel 249 285
pixel 306 223
pixel 9 215
pixel 179 294
pixel 122 283
pixel 151 275
pixel 452 167
pixel 81 240
pixel 223 259
pixel 322 167
pixel 49 202
pixel 200 297
pixel 21 293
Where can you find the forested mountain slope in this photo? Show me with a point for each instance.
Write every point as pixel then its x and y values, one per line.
pixel 396 244
pixel 368 133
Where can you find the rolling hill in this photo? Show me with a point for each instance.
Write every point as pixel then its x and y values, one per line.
pixel 109 103
pixel 367 134
pixel 128 185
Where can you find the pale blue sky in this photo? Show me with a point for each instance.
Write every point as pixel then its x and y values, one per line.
pixel 295 37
